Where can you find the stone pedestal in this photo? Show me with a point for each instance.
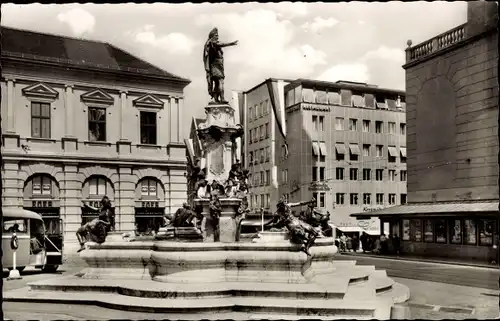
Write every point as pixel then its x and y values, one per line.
pixel 226 230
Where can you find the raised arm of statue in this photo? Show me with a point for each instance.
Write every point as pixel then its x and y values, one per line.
pixel 229 44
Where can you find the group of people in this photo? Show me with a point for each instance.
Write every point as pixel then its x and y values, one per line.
pixel 378 245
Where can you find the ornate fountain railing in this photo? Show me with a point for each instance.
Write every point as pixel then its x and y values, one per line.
pixel 437 43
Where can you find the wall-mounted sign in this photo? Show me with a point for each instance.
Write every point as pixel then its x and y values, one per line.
pixel 365 224
pixel 372 209
pixel 150 204
pixel 42 203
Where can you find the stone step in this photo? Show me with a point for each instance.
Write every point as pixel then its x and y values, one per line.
pixel 292 306
pixel 398 293
pixel 152 289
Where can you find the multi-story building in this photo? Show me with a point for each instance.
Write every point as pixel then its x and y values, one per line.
pixel 452 115
pixel 345 146
pixel 82 119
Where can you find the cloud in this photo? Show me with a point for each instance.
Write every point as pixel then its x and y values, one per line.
pixel 289 10
pixel 386 53
pixel 265 44
pixel 79 20
pixel 351 72
pixel 319 24
pixel 174 43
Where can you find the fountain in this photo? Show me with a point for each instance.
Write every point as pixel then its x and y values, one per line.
pixel 290 273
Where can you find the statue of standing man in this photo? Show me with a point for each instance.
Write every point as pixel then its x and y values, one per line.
pixel 213 59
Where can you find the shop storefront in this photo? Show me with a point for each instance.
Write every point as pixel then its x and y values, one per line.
pixel 149 206
pixel 41 195
pixel 444 230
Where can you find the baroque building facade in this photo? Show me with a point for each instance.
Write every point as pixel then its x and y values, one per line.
pixel 83 119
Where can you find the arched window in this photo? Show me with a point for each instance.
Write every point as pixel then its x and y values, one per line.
pixel 149 187
pixel 97 186
pixel 42 185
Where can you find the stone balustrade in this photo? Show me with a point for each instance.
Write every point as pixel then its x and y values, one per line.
pixel 437 43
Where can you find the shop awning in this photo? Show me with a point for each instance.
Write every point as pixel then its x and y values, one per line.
pixel 432 208
pixel 403 151
pixel 340 148
pixel 354 149
pixel 322 148
pixel 315 149
pixel 393 152
pixel 372 232
pixel 349 229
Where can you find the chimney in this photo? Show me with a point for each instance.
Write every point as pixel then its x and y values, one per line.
pixel 481 16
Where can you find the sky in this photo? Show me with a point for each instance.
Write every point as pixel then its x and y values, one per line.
pixel 354 41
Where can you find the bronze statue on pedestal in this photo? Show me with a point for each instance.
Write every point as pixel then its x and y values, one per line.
pixel 213 59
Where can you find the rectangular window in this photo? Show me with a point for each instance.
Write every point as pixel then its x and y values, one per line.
pixel 315 196
pixel 366 126
pixel 380 149
pixel 402 175
pixel 470 232
pixel 339 173
pixel 339 198
pixel 257 111
pixel 321 123
pixel 353 152
pixel 456 232
pixel 40 120
pixel 366 150
pixel 406 230
pixel 339 123
pixel 314 174
pixel 392 199
pixel 250 158
pixel 416 230
pixel 379 198
pixel 267 130
pixel 250 113
pixel 308 95
pixel 262 178
pixel 262 134
pixel 257 134
pixel 333 98
pixel 321 97
pixel 392 128
pixel 392 175
pixel 315 123
pixel 428 231
pixel 285 176
pixel 257 201
pixel 346 97
pixel 378 127
pixel 486 228
pixel 268 154
pixel 268 177
pixel 392 154
pixel 353 198
pixel 402 129
pixel 97 124
pixel 262 200
pixel 262 156
pixel 268 201
pixel 322 174
pixel 148 128
pixel 321 199
pixel 353 124
pixel 353 174
pixel 367 199
pixel 441 231
pixel 403 198
pixel 379 174
pixel 367 173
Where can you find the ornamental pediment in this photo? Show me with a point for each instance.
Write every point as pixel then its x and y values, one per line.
pixel 98 96
pixel 41 90
pixel 149 101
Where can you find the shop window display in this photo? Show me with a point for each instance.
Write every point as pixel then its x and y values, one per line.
pixel 406 230
pixel 456 232
pixel 440 231
pixel 428 231
pixel 416 230
pixel 470 232
pixel 486 232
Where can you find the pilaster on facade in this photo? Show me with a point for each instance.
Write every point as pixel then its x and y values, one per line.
pixel 174 124
pixel 71 196
pixel 125 203
pixel 11 112
pixel 177 189
pixel 12 185
pixel 69 112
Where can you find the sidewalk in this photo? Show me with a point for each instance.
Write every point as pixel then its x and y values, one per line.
pixel 407 257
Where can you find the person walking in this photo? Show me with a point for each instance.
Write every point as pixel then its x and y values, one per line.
pixel 397 244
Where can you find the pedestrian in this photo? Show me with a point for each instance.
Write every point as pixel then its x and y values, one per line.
pixel 383 244
pixel 343 242
pixel 397 244
pixel 355 243
pixel 349 243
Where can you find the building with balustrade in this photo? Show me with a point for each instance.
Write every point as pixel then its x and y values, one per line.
pixel 452 142
pixel 343 143
pixel 82 119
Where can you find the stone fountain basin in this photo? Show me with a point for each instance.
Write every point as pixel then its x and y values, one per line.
pixel 208 262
